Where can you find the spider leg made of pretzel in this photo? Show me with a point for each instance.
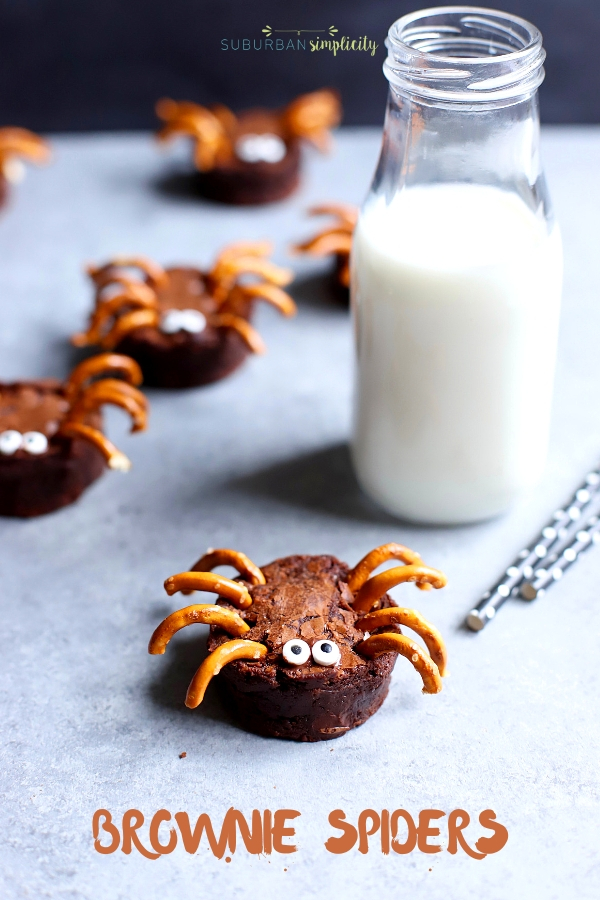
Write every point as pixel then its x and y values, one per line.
pixel 198 614
pixel 346 215
pixel 130 321
pixel 114 458
pixel 372 590
pixel 155 274
pixel 107 310
pixel 243 248
pixel 362 570
pixel 101 366
pixel 214 662
pixel 207 129
pixel 225 557
pixel 270 293
pixel 399 643
pixel 23 143
pixel 110 390
pixel 411 618
pixel 234 591
pixel 331 240
pixel 249 335
pixel 311 116
pixel 225 273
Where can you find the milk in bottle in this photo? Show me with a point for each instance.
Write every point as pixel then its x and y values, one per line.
pixel 456 282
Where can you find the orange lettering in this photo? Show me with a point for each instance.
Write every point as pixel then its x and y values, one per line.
pixel 500 836
pixel 457 820
pixel 363 832
pixel 163 815
pixel 424 831
pixel 411 838
pixel 191 839
pixel 385 831
pixel 107 826
pixel 347 840
pixel 267 832
pixel 280 831
pixel 132 820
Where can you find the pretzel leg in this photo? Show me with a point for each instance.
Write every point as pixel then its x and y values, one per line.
pixel 399 643
pixel 348 215
pixel 225 557
pixel 326 242
pixel 196 615
pixel 139 318
pixel 101 365
pixel 215 661
pixel 114 458
pixel 373 589
pixel 109 309
pixel 249 335
pixel 233 591
pixel 110 390
pixel 361 571
pixel 394 615
pixel 273 295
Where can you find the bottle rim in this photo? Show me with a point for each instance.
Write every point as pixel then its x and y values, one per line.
pixel 464 54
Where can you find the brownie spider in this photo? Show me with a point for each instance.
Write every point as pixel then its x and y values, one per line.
pixel 17 144
pixel 51 441
pixel 334 239
pixel 306 645
pixel 253 157
pixel 184 326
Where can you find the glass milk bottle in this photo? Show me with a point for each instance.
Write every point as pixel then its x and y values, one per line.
pixel 456 273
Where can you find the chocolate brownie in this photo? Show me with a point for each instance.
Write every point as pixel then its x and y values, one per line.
pixel 184 358
pixel 32 482
pixel 304 597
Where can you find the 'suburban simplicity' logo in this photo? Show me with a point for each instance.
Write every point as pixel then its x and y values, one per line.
pixel 328 39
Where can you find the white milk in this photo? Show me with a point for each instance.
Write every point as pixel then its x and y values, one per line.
pixel 456 295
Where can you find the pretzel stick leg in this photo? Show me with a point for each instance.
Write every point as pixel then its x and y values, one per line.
pixel 399 643
pixel 197 614
pixel 215 661
pixel 114 458
pixel 395 615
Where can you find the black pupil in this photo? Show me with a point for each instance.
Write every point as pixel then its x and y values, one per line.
pixel 326 648
pixel 296 649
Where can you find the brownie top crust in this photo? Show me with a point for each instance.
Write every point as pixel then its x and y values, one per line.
pixel 186 289
pixel 304 597
pixel 32 406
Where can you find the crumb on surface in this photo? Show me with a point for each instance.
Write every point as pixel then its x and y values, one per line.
pixel 182 755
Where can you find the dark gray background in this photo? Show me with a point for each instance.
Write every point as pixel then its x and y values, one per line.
pixel 101 64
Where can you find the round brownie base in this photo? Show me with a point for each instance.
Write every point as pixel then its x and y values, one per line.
pixel 37 485
pixel 184 360
pixel 307 711
pixel 252 184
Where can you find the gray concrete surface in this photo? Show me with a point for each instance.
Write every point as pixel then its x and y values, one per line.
pixel 259 462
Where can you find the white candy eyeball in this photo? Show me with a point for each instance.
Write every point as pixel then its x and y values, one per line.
pixel 192 320
pixel 326 653
pixel 10 442
pixel 296 652
pixel 267 147
pixel 35 442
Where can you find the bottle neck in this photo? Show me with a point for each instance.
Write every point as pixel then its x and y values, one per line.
pixel 426 144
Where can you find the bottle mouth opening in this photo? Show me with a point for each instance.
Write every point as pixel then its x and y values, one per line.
pixel 464 54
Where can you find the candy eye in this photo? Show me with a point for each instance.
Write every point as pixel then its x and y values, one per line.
pixel 35 442
pixel 296 652
pixel 326 653
pixel 10 442
pixel 267 147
